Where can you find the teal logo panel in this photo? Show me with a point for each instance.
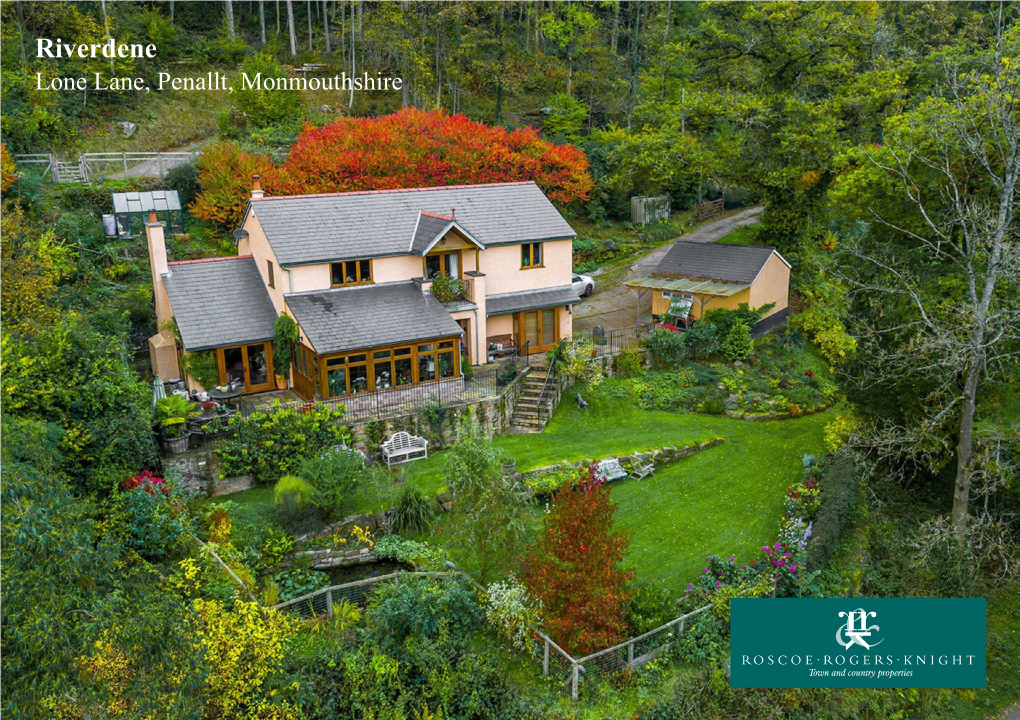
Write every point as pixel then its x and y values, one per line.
pixel 901 642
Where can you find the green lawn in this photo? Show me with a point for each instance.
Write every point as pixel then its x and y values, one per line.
pixel 740 236
pixel 724 500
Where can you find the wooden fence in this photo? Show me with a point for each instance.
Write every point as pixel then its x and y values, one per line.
pixel 628 655
pixel 648 210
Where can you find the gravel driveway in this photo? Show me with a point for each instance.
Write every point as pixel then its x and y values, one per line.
pixel 612 307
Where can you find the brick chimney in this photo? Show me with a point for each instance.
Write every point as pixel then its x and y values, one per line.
pixel 256 188
pixel 162 347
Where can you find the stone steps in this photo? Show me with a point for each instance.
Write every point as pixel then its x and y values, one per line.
pixel 526 418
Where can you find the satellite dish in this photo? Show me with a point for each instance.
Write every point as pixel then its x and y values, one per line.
pixel 240 234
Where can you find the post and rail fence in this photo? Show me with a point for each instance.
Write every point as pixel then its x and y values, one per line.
pixel 91 167
pixel 628 655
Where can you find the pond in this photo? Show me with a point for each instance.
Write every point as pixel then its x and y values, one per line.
pixel 352 573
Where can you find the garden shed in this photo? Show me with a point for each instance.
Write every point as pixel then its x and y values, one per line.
pixel 696 277
pixel 131 210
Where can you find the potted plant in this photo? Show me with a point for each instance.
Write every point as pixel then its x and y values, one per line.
pixel 508 466
pixel 172 415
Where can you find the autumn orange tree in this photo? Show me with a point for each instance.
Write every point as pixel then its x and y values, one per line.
pixel 8 170
pixel 575 570
pixel 410 148
pixel 224 173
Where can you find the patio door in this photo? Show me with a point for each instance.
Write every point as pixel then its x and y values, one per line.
pixel 538 329
pixel 250 364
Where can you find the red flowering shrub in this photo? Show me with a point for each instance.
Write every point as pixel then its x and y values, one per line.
pixel 147 481
pixel 410 148
pixel 575 568
pixel 153 511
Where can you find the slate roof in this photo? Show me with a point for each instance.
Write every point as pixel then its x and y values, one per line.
pixel 346 319
pixel 136 202
pixel 530 300
pixel 716 261
pixel 220 302
pixel 306 229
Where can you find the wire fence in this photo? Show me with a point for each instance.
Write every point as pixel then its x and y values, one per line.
pixel 628 655
pixel 323 601
pixel 556 662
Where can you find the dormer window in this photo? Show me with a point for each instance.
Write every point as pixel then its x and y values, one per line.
pixel 351 272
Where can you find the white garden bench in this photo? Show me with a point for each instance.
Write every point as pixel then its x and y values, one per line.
pixel 612 469
pixel 403 447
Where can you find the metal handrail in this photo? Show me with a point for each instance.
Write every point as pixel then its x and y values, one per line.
pixel 545 383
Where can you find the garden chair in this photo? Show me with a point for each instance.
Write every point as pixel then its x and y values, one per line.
pixel 640 469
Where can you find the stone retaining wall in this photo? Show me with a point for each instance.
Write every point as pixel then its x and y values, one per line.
pixel 494 414
pixel 659 457
pixel 328 558
pixel 200 468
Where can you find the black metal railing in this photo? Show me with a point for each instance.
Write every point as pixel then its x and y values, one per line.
pixel 610 342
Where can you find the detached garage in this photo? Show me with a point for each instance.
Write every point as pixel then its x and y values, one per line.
pixel 696 277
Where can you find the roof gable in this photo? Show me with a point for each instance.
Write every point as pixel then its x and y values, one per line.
pixel 431 228
pixel 308 229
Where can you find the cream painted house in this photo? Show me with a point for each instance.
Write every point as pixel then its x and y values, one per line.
pixel 696 277
pixel 356 270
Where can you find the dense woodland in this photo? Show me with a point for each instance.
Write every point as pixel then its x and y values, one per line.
pixel 883 141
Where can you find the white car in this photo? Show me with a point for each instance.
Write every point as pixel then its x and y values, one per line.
pixel 584 285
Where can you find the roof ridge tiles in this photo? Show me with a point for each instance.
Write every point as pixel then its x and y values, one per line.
pixel 394 190
pixel 212 259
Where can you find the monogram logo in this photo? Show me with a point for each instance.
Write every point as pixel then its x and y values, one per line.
pixel 855 632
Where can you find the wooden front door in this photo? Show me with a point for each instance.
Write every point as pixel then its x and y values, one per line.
pixel 537 328
pixel 252 364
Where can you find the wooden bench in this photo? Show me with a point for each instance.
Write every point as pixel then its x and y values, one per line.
pixel 403 447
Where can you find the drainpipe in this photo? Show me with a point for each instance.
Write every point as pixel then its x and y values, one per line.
pixel 478 348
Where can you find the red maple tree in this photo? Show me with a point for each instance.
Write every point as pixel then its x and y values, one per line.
pixel 410 148
pixel 575 568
